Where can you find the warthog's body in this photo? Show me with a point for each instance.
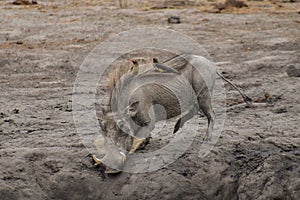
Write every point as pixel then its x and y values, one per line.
pixel 180 95
pixel 169 95
pixel 201 74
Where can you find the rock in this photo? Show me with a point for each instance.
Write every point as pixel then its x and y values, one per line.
pixel 289 1
pixel 230 3
pixel 15 111
pixel 24 2
pixel 293 71
pixel 220 6
pixel 280 110
pixel 3 63
pixel 235 3
pixel 174 20
pixel 3 115
pixel 178 3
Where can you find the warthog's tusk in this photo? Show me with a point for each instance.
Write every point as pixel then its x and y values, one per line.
pixel 99 161
pixel 96 160
pixel 123 155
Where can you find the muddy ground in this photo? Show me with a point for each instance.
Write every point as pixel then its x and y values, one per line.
pixel 42 47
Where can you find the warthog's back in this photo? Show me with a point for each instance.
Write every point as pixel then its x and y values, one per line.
pixel 169 90
pixel 199 71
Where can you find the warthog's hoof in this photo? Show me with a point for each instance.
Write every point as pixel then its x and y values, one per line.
pixel 111 171
pixel 109 160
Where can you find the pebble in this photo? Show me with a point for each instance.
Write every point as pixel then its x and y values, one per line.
pixel 293 71
pixel 280 110
pixel 174 20
pixel 24 2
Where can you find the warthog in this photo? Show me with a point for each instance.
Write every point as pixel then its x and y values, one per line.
pixel 137 102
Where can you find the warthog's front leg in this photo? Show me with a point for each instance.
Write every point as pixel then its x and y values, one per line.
pixel 185 117
pixel 142 134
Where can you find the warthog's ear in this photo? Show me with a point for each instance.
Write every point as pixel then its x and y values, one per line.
pixel 103 124
pixel 133 109
pixel 105 110
pixel 104 120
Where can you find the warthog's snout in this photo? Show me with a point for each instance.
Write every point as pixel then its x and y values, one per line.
pixel 113 158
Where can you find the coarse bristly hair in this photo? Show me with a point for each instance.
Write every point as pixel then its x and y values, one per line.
pixel 119 71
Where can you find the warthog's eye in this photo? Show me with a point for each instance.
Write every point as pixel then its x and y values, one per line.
pixel 120 124
pixel 133 109
pixel 123 126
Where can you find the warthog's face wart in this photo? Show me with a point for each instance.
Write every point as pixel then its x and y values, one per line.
pixel 125 117
pixel 116 129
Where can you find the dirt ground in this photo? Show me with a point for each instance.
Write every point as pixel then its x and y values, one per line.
pixel 42 47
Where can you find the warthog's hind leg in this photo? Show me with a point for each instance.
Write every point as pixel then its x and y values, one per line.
pixel 205 105
pixel 184 118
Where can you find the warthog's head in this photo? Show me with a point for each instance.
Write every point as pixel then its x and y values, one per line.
pixel 113 129
pixel 120 130
pixel 117 123
pixel 115 144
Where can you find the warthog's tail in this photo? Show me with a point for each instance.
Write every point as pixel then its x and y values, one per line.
pixel 246 98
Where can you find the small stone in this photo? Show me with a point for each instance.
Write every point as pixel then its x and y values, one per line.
pixel 174 20
pixel 220 6
pixel 3 63
pixel 15 111
pixel 3 115
pixel 235 3
pixel 24 2
pixel 293 71
pixel 280 110
pixel 289 1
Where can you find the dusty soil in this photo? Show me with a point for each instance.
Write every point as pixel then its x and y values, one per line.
pixel 42 47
